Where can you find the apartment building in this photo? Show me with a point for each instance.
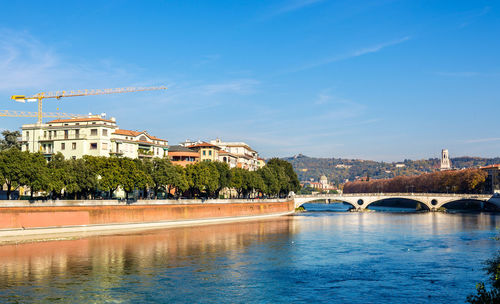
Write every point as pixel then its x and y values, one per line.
pixel 180 155
pixel 207 151
pixel 92 135
pixel 246 157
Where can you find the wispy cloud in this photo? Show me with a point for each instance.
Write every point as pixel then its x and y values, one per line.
pixel 295 5
pixel 356 53
pixel 467 74
pixel 482 140
pixel 474 15
pixel 27 63
pixel 458 74
pixel 239 86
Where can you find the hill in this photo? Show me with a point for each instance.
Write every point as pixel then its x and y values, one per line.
pixel 338 169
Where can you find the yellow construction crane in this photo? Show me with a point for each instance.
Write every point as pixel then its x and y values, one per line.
pixel 59 94
pixel 9 113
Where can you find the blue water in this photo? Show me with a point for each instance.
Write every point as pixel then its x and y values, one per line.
pixel 317 256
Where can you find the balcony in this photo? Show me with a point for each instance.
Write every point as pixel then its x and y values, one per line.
pixel 144 153
pixel 61 137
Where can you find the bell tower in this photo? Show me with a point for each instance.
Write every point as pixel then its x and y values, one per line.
pixel 445 160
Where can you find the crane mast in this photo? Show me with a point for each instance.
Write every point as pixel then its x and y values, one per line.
pixel 39 97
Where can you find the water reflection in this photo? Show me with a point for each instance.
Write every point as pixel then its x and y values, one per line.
pixel 314 256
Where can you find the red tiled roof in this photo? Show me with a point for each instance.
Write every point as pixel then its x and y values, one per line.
pixel 126 132
pixel 136 133
pixel 84 119
pixel 156 138
pixel 204 145
pixel 491 166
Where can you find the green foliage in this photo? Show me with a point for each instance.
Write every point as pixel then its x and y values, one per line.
pixel 13 164
pixel 35 174
pixel 483 295
pixel 91 176
pixel 10 140
pixel 59 175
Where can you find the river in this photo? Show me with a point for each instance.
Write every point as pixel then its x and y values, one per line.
pixel 318 256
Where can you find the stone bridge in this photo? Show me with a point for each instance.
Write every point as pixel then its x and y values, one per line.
pixel 361 201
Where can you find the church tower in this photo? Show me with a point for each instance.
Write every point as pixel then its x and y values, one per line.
pixel 445 160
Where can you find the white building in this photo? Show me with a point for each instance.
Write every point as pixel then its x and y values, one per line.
pixel 93 135
pixel 239 154
pixel 445 160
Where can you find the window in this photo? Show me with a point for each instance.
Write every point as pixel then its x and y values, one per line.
pixel 73 146
pixel 93 123
pixel 93 146
pixel 63 146
pixel 74 157
pixel 204 152
pixel 66 133
pixel 104 146
pixel 77 133
pixel 104 132
pixel 27 134
pixel 77 124
pixel 45 134
pixel 93 132
pixel 210 152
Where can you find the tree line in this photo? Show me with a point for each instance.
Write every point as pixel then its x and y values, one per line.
pixel 91 177
pixel 453 181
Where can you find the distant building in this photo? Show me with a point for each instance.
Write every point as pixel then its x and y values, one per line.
pixel 92 135
pixel 262 162
pixel 493 179
pixel 180 155
pixel 445 160
pixel 343 166
pixel 323 184
pixel 400 165
pixel 208 152
pixel 247 158
pixel 323 180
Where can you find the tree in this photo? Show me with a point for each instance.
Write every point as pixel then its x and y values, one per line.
pixel 13 163
pixel 85 181
pixel 146 167
pixel 130 177
pixel 10 140
pixel 59 173
pixel 224 177
pixel 484 295
pixel 179 181
pixel 35 174
pixel 108 169
pixel 271 184
pixel 238 180
pixel 286 175
pixel 162 173
pixel 253 182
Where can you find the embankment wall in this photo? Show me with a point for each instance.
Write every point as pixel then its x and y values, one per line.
pixel 25 215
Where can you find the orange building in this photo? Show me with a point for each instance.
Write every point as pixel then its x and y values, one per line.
pixel 183 156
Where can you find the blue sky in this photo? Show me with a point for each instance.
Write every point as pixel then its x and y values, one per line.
pixel 384 80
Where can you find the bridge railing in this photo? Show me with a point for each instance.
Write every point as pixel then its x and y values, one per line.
pixel 396 194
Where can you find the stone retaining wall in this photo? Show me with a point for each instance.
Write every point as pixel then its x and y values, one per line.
pixel 24 215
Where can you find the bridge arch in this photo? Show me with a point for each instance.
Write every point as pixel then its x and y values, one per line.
pixel 404 199
pixel 481 202
pixel 301 202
